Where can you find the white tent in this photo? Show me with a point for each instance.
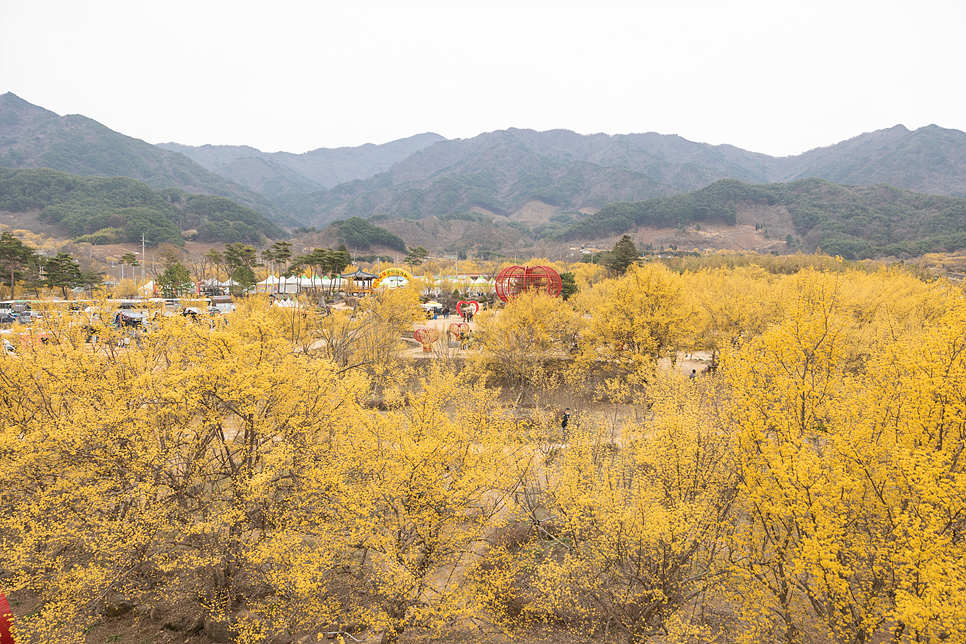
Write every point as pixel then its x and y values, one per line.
pixel 267 285
pixel 393 281
pixel 295 284
pixel 288 285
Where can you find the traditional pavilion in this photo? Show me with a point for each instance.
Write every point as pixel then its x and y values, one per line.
pixel 360 276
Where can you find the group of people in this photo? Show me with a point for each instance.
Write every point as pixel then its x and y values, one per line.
pixel 444 313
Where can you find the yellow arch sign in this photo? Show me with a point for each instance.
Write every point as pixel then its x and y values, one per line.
pixel 390 272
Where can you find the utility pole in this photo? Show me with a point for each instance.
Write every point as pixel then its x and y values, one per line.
pixel 143 257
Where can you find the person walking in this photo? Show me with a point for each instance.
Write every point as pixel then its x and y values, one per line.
pixel 564 422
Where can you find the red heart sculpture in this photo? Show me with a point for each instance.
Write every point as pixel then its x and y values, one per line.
pixel 461 303
pixel 426 337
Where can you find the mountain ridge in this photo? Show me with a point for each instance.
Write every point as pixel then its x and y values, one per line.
pixel 34 137
pixel 324 167
pixel 652 165
pixel 107 210
pixel 545 182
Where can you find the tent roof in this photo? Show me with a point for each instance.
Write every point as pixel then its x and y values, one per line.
pixel 360 274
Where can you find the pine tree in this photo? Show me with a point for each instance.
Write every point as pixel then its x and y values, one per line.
pixel 240 260
pixel 568 285
pixel 175 280
pixel 14 257
pixel 623 255
pixel 62 272
pixel 417 255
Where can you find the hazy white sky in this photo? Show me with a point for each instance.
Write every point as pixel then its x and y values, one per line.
pixel 778 77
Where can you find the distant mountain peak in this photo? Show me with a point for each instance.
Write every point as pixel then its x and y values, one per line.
pixel 34 137
pixel 503 172
pixel 323 167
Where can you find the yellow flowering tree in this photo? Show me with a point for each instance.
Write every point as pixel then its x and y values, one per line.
pixel 417 490
pixel 731 306
pixel 628 532
pixel 852 492
pixel 636 319
pixel 519 344
pixel 167 470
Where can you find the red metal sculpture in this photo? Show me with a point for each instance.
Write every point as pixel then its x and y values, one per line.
pixel 515 280
pixel 426 337
pixel 464 306
pixel 456 328
pixel 6 620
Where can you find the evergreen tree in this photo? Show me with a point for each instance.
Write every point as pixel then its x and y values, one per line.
pixel 175 280
pixel 130 259
pixel 215 259
pixel 244 278
pixel 278 253
pixel 240 259
pixel 623 255
pixel 337 262
pixel 90 279
pixel 568 285
pixel 62 272
pixel 416 256
pixel 170 255
pixel 14 257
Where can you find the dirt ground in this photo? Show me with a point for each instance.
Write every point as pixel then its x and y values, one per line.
pixel 698 361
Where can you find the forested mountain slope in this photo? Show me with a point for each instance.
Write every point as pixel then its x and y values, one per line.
pixel 500 176
pixel 321 169
pixel 930 160
pixel 549 180
pixel 855 222
pixel 501 171
pixel 118 209
pixel 33 137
